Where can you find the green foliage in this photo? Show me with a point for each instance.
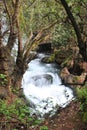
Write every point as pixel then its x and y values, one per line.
pixel 44 128
pixel 17 110
pixel 51 58
pixel 67 61
pixel 3 79
pixel 62 35
pixel 3 76
pixel 82 97
pixel 82 93
pixel 85 117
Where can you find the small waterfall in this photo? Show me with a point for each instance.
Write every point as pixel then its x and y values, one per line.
pixel 42 86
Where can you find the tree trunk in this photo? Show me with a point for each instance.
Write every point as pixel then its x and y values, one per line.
pixel 81 44
pixel 5 70
pixel 0 34
pixel 19 70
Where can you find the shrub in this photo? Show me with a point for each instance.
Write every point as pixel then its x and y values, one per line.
pixel 18 110
pixel 82 97
pixel 44 128
pixel 3 79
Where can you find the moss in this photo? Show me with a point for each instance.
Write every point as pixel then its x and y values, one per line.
pixel 52 58
pixel 67 61
pixel 76 78
pixel 82 98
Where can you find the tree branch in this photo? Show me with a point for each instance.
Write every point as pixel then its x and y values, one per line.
pixel 81 44
pixel 7 10
pixel 13 29
pixel 38 39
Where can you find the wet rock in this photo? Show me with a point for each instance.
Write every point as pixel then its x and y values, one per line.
pixel 45 60
pixel 83 66
pixel 64 72
pixel 41 80
pixel 48 59
pixel 66 76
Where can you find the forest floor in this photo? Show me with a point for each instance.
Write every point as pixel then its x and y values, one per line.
pixel 67 119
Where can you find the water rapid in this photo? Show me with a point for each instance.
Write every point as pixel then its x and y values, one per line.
pixel 42 87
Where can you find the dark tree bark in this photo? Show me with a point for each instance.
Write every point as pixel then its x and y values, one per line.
pixel 81 44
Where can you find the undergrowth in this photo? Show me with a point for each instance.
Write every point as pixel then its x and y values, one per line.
pixel 17 111
pixel 82 97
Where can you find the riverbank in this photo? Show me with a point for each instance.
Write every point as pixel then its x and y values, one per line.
pixel 73 72
pixel 68 118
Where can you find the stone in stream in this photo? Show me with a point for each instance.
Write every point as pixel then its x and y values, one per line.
pixel 42 80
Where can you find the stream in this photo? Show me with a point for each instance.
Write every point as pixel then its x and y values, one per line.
pixel 42 87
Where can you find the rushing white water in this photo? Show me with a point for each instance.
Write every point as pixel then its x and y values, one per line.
pixel 42 86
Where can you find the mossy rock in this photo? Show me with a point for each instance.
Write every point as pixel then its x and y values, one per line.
pixel 62 55
pixel 50 59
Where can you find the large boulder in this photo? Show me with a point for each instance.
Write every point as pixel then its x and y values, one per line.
pixel 83 66
pixel 71 79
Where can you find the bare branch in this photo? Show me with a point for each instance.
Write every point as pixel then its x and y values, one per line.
pixel 28 41
pixel 38 39
pixel 7 10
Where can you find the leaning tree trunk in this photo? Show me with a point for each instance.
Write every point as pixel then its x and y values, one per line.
pixel 20 65
pixel 81 44
pixel 5 71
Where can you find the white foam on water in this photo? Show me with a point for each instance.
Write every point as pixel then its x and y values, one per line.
pixel 44 96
